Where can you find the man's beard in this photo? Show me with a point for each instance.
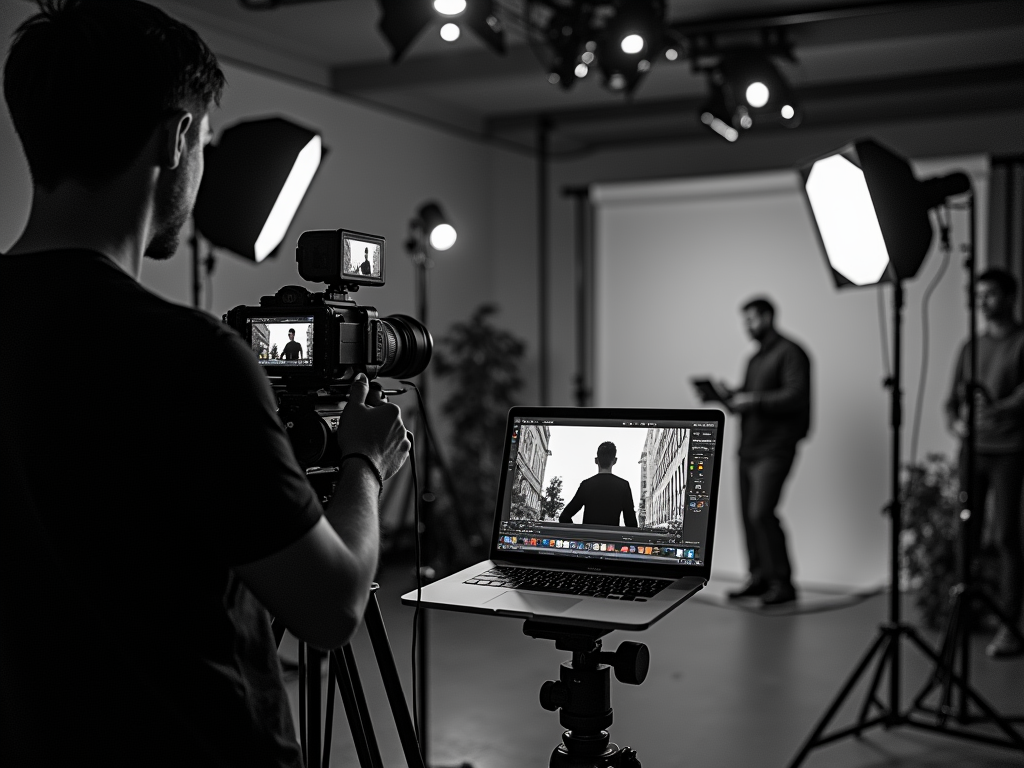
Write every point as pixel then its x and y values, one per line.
pixel 174 203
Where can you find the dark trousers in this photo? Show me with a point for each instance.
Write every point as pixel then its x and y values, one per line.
pixel 761 481
pixel 1001 475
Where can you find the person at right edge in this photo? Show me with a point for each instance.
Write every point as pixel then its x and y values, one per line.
pixel 774 404
pixel 999 440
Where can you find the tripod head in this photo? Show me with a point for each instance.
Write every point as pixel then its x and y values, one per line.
pixel 582 694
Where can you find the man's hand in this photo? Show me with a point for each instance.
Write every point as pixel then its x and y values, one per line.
pixel 373 426
pixel 958 427
pixel 742 402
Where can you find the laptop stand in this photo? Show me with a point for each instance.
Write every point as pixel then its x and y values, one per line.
pixel 582 694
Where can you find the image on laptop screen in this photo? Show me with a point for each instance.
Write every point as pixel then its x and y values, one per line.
pixel 609 489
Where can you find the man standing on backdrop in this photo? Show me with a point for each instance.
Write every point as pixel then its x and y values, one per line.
pixel 999 440
pixel 774 404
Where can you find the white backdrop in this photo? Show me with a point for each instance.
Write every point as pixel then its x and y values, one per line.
pixel 676 259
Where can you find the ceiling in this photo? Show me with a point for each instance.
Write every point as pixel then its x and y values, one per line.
pixel 855 61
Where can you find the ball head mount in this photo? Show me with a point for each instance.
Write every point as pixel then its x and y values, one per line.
pixel 582 694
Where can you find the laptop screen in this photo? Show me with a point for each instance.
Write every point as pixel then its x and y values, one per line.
pixel 627 491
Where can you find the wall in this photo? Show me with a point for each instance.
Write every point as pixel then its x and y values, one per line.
pixel 676 258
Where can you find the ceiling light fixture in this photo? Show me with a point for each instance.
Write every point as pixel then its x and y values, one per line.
pixel 402 21
pixel 450 32
pixel 449 7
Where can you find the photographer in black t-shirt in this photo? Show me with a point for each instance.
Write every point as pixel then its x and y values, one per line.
pixel 153 511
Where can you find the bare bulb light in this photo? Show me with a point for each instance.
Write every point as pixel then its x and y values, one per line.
pixel 450 32
pixel 632 44
pixel 757 94
pixel 671 54
pixel 443 237
pixel 787 112
pixel 581 70
pixel 449 7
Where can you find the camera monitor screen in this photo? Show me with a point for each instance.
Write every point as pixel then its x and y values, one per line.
pixel 595 488
pixel 282 341
pixel 361 258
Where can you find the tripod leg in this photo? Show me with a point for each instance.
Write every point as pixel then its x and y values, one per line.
pixel 332 676
pixel 314 689
pixel 872 697
pixel 969 693
pixel 302 700
pixel 862 665
pixel 349 659
pixel 355 720
pixel 392 683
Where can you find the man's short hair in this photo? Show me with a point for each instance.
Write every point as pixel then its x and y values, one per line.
pixel 87 82
pixel 1006 282
pixel 291 330
pixel 761 305
pixel 605 455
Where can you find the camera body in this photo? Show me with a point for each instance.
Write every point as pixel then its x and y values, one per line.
pixel 313 344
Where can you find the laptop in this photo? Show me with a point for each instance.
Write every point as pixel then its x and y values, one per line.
pixel 605 517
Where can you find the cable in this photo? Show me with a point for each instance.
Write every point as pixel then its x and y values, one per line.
pixel 433 445
pixel 915 431
pixel 419 581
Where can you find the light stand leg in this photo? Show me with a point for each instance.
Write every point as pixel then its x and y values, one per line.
pixel 314 690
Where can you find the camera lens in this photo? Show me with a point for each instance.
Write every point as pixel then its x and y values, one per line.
pixel 408 347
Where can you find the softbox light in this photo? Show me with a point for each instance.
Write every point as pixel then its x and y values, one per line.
pixel 255 178
pixel 871 213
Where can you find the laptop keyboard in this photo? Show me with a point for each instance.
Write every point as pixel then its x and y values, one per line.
pixel 568 583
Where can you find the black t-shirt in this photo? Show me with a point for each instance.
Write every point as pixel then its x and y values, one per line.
pixel 132 483
pixel 292 351
pixel 779 376
pixel 602 497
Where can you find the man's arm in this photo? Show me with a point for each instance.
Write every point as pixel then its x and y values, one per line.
pixel 796 385
pixel 628 512
pixel 572 507
pixel 319 585
pixel 955 400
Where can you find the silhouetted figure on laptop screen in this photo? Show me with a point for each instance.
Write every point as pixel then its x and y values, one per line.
pixel 604 496
pixel 292 350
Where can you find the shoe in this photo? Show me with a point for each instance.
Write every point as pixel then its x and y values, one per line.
pixel 753 589
pixel 778 594
pixel 1005 644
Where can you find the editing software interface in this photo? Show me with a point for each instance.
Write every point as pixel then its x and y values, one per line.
pixel 592 488
pixel 282 341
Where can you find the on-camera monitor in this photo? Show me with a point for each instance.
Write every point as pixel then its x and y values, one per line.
pixel 282 341
pixel 589 487
pixel 361 258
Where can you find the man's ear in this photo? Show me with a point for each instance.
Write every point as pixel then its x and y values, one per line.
pixel 595 460
pixel 615 460
pixel 176 138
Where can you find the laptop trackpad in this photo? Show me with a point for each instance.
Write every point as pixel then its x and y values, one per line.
pixel 531 603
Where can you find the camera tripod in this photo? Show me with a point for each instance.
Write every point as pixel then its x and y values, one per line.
pixel 342 670
pixel 582 694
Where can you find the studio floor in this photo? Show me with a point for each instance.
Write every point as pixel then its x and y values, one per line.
pixel 727 688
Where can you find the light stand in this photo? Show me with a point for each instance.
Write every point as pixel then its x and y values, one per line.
pixel 967 594
pixel 900 197
pixel 416 246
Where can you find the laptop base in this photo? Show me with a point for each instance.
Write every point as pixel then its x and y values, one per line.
pixel 582 694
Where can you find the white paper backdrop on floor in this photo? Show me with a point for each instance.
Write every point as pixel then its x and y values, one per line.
pixel 674 262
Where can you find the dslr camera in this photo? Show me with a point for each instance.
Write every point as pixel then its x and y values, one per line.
pixel 312 345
